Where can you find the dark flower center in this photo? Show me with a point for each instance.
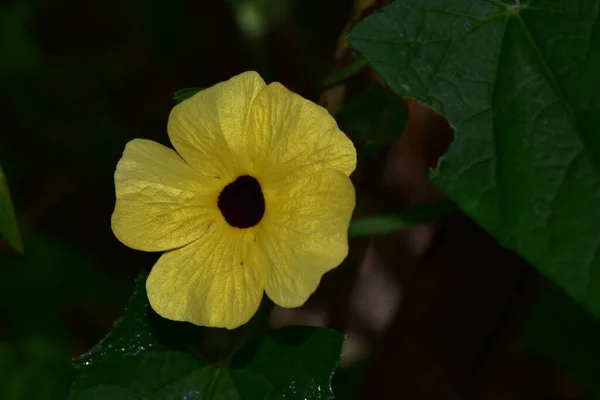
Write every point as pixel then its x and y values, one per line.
pixel 242 202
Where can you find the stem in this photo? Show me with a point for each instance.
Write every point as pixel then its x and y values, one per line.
pixel 219 345
pixel 256 326
pixel 388 223
pixel 345 73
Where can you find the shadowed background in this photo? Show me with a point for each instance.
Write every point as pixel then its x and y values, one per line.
pixel 79 79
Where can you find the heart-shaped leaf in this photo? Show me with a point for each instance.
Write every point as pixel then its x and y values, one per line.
pixel 147 357
pixel 520 83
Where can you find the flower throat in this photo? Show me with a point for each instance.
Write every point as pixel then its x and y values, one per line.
pixel 242 203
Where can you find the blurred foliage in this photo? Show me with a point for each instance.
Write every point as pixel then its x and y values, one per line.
pixel 345 73
pixel 389 223
pixel 185 94
pixel 567 335
pixel 17 43
pixel 256 17
pixel 42 288
pixel 53 298
pixel 376 118
pixel 347 381
pixel 8 221
pixel 33 369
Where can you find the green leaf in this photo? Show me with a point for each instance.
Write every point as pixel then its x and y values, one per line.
pixel 9 227
pixel 345 73
pixel 567 335
pixel 145 356
pixel 522 89
pixel 376 118
pixel 390 223
pixel 185 94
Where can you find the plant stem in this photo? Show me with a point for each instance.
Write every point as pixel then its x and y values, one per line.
pixel 345 73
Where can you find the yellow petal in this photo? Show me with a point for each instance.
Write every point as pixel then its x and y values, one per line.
pixel 162 203
pixel 209 129
pixel 304 234
pixel 290 136
pixel 216 281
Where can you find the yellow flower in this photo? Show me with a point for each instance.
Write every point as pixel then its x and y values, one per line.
pixel 256 199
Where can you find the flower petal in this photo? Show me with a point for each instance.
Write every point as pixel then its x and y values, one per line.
pixel 216 281
pixel 209 129
pixel 304 234
pixel 290 136
pixel 162 203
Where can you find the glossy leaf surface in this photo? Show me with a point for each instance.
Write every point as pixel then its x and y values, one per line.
pixel 147 357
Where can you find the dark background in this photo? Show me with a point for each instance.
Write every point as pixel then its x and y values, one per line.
pixel 79 79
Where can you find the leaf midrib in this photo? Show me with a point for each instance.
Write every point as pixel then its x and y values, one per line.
pixel 507 12
pixel 560 93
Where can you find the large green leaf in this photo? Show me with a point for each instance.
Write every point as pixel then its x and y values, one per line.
pixel 521 86
pixel 8 221
pixel 147 357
